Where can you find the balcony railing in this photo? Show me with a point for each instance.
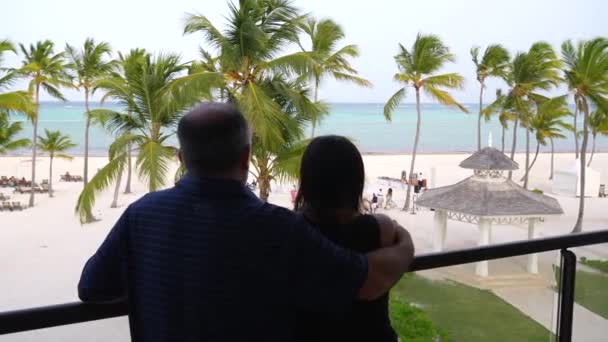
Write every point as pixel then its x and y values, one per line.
pixel 77 312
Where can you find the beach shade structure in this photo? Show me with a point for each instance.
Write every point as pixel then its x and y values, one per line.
pixel 488 198
pixel 567 181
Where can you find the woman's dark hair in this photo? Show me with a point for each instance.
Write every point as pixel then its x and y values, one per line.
pixel 332 176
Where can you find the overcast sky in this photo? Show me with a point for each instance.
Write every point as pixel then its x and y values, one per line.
pixel 376 26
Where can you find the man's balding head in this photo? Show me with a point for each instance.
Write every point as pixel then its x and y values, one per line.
pixel 215 140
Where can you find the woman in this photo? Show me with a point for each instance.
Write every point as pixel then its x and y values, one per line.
pixel 331 186
pixel 389 199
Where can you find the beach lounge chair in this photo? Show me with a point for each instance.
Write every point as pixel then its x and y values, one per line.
pixel 44 187
pixel 17 206
pixel 7 206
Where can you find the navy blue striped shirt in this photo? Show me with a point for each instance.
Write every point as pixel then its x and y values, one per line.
pixel 208 261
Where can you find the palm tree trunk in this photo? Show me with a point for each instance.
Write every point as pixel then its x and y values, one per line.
pixel 479 118
pixel 502 140
pixel 578 226
pixel 264 184
pixel 527 157
pixel 35 143
pixel 51 175
pixel 116 191
pixel 129 168
pixel 416 138
pixel 575 130
pixel 552 158
pixel 85 175
pixel 130 163
pixel 534 159
pixel 314 119
pixel 514 144
pixel 592 151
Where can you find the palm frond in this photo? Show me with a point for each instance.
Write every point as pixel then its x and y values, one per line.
pixel 392 103
pixel 264 114
pixel 452 81
pixel 153 162
pixel 100 181
pixel 443 97
pixel 352 78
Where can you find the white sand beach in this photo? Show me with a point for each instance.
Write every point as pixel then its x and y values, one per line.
pixel 43 249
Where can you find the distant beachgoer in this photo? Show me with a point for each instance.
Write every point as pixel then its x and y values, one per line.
pixel 332 204
pixel 207 260
pixel 292 193
pixel 374 202
pixel 389 199
pixel 380 199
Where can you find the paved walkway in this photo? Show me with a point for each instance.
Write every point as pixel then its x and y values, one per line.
pixel 537 304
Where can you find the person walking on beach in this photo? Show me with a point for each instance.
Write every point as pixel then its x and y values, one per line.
pixel 389 199
pixel 207 260
pixel 374 202
pixel 332 204
pixel 380 199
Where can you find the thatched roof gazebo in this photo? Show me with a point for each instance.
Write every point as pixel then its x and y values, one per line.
pixel 488 198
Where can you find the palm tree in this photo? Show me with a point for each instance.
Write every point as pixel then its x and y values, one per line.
pixel 417 67
pixel 8 135
pixel 504 115
pixel 586 74
pixel 272 162
pixel 125 66
pixel 531 71
pixel 598 123
pixel 45 69
pixel 54 143
pixel 327 59
pixel 88 65
pixel 156 99
pixel 493 63
pixel 249 55
pixel 548 123
pixel 17 101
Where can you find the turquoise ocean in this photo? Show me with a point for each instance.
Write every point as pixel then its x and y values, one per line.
pixel 444 130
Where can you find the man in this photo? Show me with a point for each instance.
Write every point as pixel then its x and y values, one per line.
pixel 208 261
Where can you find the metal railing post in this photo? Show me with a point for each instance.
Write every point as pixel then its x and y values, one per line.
pixel 565 313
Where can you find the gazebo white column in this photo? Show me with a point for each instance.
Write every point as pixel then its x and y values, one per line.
pixel 440 229
pixel 485 230
pixel 532 258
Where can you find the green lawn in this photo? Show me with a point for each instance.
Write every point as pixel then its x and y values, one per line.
pixel 463 313
pixel 600 265
pixel 591 292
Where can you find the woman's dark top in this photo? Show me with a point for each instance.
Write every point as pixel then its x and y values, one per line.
pixel 366 320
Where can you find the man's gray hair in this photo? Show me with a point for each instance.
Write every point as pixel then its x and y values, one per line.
pixel 212 137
